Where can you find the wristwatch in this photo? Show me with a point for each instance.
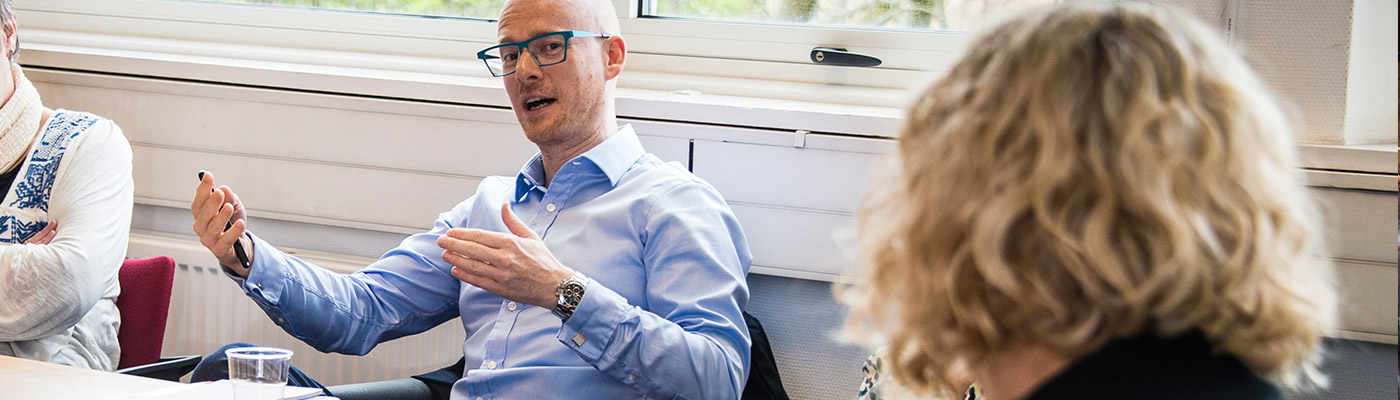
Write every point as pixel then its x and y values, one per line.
pixel 570 293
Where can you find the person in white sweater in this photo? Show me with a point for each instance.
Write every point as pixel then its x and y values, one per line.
pixel 64 222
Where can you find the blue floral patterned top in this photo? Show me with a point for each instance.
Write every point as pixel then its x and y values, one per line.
pixel 28 199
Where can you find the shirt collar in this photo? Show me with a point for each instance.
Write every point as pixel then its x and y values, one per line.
pixel 617 154
pixel 529 178
pixel 614 157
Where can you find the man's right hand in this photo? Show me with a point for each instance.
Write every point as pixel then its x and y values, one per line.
pixel 212 209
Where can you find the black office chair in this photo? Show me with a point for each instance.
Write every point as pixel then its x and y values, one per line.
pixel 764 382
pixel 397 389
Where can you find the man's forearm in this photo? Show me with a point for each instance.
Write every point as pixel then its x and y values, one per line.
pixel 701 355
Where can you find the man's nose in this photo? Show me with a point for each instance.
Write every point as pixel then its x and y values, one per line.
pixel 528 67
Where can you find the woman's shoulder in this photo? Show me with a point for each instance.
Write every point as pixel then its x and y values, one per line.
pixel 78 127
pixel 70 120
pixel 1151 367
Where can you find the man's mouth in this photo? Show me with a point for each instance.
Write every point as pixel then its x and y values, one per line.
pixel 535 103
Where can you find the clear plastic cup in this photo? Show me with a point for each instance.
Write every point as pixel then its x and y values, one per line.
pixel 258 373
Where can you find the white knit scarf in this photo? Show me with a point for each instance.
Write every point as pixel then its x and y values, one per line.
pixel 19 120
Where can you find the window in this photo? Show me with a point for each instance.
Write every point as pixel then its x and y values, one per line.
pixel 261 32
pixel 737 46
pixel 306 30
pixel 479 9
pixel 756 51
pixel 913 35
pixel 937 15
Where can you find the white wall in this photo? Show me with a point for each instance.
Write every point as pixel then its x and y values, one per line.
pixel 345 174
pixel 1331 62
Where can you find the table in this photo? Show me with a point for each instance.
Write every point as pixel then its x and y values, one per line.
pixel 22 379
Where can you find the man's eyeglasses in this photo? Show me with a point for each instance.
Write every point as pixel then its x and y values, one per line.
pixel 547 49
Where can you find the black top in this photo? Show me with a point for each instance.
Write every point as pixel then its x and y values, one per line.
pixel 6 179
pixel 1150 368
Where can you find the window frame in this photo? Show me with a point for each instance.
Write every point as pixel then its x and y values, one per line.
pixel 764 83
pixel 899 50
pixel 904 50
pixel 725 49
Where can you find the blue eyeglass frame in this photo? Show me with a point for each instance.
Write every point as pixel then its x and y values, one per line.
pixel 525 45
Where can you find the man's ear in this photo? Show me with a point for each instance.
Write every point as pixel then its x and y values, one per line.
pixel 614 56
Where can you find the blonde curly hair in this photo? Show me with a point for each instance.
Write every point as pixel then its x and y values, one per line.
pixel 1088 173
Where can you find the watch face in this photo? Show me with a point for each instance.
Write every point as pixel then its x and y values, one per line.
pixel 573 292
pixel 570 294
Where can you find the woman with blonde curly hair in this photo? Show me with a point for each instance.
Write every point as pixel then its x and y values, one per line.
pixel 1098 201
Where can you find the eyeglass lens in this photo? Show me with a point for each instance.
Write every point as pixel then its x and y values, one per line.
pixel 547 50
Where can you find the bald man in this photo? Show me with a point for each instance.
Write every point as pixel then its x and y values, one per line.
pixel 597 272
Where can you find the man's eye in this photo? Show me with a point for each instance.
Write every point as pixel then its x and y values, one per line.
pixel 509 57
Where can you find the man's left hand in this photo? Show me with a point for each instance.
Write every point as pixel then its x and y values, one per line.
pixel 516 266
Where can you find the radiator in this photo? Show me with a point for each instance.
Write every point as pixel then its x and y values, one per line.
pixel 208 310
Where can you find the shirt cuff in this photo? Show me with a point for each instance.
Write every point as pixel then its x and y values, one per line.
pixel 590 329
pixel 266 276
pixel 229 272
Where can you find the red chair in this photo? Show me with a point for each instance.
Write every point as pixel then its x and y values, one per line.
pixel 144 304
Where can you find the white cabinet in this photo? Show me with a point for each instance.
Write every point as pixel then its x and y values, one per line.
pixel 797 205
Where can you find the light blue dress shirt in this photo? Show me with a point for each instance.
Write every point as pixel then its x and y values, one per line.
pixel 660 319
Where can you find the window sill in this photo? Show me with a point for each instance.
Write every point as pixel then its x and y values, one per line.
pixel 1371 158
pixel 762 104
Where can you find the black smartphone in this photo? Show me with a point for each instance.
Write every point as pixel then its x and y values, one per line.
pixel 238 245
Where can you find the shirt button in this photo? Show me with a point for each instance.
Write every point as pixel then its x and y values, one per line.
pixel 549 207
pixel 577 163
pixel 491 364
pixel 510 306
pixel 260 283
pixel 281 321
pixel 631 379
